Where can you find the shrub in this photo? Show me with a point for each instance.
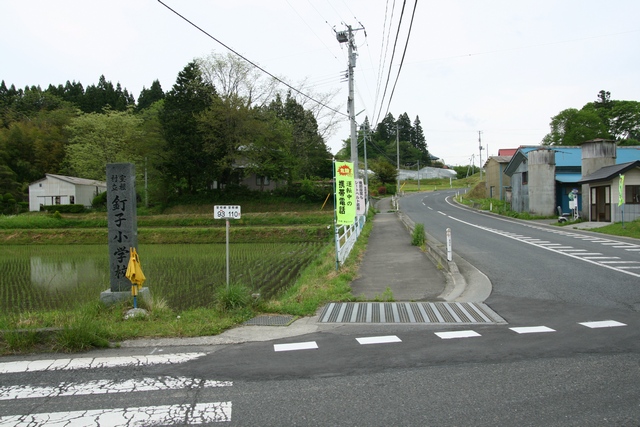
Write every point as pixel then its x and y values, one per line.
pixel 100 201
pixel 65 208
pixel 233 297
pixel 382 190
pixel 417 239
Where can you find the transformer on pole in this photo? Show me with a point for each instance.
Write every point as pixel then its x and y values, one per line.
pixel 348 37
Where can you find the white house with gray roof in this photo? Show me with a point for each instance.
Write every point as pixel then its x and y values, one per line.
pixel 63 190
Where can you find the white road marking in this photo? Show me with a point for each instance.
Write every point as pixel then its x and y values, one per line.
pixel 532 329
pixel 603 324
pixel 379 340
pixel 311 345
pixel 108 387
pixel 621 262
pixel 457 334
pixel 95 363
pixel 186 414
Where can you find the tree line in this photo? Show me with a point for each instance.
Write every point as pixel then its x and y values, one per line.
pixel 219 122
pixel 391 138
pixel 604 118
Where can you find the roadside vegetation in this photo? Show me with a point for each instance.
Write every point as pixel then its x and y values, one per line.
pixel 304 276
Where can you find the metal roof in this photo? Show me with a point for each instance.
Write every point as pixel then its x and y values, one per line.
pixel 77 181
pixel 609 172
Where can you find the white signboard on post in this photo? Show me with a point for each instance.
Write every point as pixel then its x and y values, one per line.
pixel 361 201
pixel 226 212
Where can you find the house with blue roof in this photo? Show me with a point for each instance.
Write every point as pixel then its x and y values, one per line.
pixel 546 179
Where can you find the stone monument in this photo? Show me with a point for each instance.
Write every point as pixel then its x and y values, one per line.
pixel 122 221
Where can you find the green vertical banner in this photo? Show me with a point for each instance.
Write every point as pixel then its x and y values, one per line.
pixel 621 190
pixel 345 194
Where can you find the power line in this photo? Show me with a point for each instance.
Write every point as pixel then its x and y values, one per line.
pixel 383 60
pixel 395 43
pixel 413 14
pixel 252 63
pixel 314 33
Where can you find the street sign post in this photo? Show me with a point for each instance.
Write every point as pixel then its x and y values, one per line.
pixel 226 212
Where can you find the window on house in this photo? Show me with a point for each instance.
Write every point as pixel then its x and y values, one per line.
pixel 72 200
pixel 57 200
pixel 632 194
pixel 262 180
pixel 525 178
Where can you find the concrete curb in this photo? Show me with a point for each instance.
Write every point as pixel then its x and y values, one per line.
pixel 458 288
pixel 456 283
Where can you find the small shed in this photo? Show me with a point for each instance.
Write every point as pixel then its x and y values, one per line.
pixel 63 190
pixel 605 189
pixel 497 181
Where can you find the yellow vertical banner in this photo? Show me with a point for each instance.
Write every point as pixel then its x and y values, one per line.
pixel 621 190
pixel 345 193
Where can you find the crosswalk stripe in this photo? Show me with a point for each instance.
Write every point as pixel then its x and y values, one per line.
pixel 95 363
pixel 108 387
pixel 189 414
pixel 379 340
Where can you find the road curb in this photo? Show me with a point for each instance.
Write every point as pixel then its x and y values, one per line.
pixel 458 288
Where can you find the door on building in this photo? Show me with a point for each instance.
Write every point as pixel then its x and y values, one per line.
pixel 601 203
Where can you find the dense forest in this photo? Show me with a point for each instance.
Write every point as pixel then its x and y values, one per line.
pixel 219 121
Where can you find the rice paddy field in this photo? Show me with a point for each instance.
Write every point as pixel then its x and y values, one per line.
pixel 186 276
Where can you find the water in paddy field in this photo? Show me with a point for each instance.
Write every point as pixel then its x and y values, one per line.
pixel 42 277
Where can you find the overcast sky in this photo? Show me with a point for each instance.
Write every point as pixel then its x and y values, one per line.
pixel 500 67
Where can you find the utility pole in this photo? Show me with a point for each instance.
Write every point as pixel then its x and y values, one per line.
pixel 398 158
pixel 348 37
pixel 366 168
pixel 480 148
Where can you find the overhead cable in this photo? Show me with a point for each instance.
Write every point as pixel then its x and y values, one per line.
pixel 413 14
pixel 252 63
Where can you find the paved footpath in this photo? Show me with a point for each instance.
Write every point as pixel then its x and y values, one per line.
pixel 390 261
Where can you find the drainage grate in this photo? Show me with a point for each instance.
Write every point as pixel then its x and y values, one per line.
pixel 409 312
pixel 271 320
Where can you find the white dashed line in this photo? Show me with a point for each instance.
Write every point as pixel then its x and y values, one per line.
pixel 311 345
pixel 378 340
pixel 457 334
pixel 532 329
pixel 603 324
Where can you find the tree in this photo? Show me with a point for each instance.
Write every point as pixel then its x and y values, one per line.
pixel 384 171
pixel 97 139
pixel 187 164
pixel 420 142
pixel 149 96
pixel 603 118
pixel 309 153
pixel 235 78
pixel 573 127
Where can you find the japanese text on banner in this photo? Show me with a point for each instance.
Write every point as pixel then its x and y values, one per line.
pixel 345 194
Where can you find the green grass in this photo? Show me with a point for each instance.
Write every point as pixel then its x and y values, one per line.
pixel 93 325
pixel 630 229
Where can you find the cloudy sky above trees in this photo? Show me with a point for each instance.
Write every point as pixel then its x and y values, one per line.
pixel 497 66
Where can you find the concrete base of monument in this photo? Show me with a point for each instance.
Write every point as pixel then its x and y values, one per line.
pixel 109 297
pixel 135 312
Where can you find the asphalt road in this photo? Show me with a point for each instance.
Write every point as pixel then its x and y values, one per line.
pixel 568 356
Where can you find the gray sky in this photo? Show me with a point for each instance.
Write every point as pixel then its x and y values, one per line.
pixel 504 67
